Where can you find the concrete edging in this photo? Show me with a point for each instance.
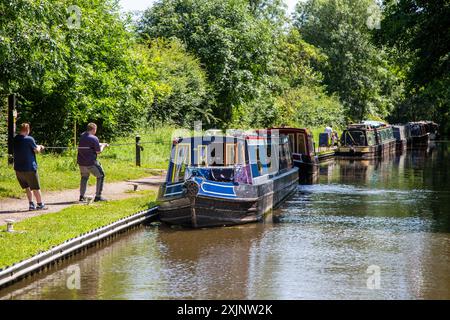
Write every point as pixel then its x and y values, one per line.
pixel 14 273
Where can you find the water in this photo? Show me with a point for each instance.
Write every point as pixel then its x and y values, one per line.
pixel 393 215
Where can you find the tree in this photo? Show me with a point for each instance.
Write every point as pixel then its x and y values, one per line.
pixel 358 71
pixel 235 40
pixel 183 94
pixel 420 32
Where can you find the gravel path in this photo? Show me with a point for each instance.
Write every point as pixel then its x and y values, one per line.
pixel 17 209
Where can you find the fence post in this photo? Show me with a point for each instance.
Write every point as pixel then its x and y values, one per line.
pixel 138 151
pixel 11 127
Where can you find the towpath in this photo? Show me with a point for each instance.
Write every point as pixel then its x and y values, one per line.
pixel 17 209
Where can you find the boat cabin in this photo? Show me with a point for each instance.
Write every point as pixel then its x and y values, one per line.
pixel 302 147
pixel 226 180
pixel 420 137
pixel 228 159
pixel 367 140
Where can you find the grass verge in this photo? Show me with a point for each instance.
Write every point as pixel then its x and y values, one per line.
pixel 41 233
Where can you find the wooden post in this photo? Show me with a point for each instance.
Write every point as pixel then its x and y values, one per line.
pixel 11 127
pixel 75 133
pixel 138 151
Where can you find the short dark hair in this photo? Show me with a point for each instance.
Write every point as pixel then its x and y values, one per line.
pixel 91 126
pixel 24 127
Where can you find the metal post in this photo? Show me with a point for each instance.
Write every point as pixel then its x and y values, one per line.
pixel 138 151
pixel 11 127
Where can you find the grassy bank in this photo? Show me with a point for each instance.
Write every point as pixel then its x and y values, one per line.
pixel 60 171
pixel 41 233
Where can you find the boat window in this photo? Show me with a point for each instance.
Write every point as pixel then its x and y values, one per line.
pixel 311 143
pixel 260 164
pixel 370 138
pixel 301 143
pixel 230 155
pixel 354 138
pixel 397 132
pixel 180 161
pixel 285 156
pixel 382 136
pixel 292 142
pixel 265 159
pixel 241 153
pixel 216 155
pixel 203 156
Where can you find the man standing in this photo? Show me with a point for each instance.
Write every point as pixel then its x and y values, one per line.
pixel 88 149
pixel 25 165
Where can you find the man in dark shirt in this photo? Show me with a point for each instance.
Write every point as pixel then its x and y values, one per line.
pixel 25 165
pixel 88 149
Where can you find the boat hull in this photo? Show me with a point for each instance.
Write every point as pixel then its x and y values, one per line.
pixel 251 205
pixel 419 141
pixel 366 152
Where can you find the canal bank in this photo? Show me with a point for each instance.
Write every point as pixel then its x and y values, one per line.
pixel 40 241
pixel 390 214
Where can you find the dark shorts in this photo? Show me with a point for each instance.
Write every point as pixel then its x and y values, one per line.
pixel 28 179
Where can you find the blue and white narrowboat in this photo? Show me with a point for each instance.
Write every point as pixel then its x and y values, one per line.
pixel 220 180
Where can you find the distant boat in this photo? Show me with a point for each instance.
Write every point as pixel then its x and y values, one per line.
pixel 304 154
pixel 217 180
pixel 367 140
pixel 420 137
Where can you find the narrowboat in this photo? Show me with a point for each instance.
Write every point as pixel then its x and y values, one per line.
pixel 215 181
pixel 367 140
pixel 401 135
pixel 302 147
pixel 420 138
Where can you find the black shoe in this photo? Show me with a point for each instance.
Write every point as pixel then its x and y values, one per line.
pixel 100 199
pixel 83 199
pixel 32 206
pixel 41 206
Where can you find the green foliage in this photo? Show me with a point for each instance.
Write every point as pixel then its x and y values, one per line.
pixel 184 95
pixel 420 33
pixel 95 73
pixel 236 43
pixel 309 107
pixel 357 70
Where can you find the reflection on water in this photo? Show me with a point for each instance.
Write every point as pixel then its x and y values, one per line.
pixel 392 213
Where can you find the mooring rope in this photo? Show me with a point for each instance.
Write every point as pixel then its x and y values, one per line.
pixel 109 145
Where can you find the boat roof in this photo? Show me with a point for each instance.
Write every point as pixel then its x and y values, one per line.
pixel 285 130
pixel 368 125
pixel 375 124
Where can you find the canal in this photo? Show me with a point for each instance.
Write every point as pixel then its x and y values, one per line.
pixel 365 230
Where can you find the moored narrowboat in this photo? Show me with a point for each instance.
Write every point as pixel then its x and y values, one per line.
pixel 420 138
pixel 367 140
pixel 358 140
pixel 216 181
pixel 302 148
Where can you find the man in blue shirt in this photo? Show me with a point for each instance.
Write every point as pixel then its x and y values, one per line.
pixel 25 165
pixel 88 149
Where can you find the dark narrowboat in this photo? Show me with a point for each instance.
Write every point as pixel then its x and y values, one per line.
pixel 401 135
pixel 367 140
pixel 420 138
pixel 302 148
pixel 217 180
